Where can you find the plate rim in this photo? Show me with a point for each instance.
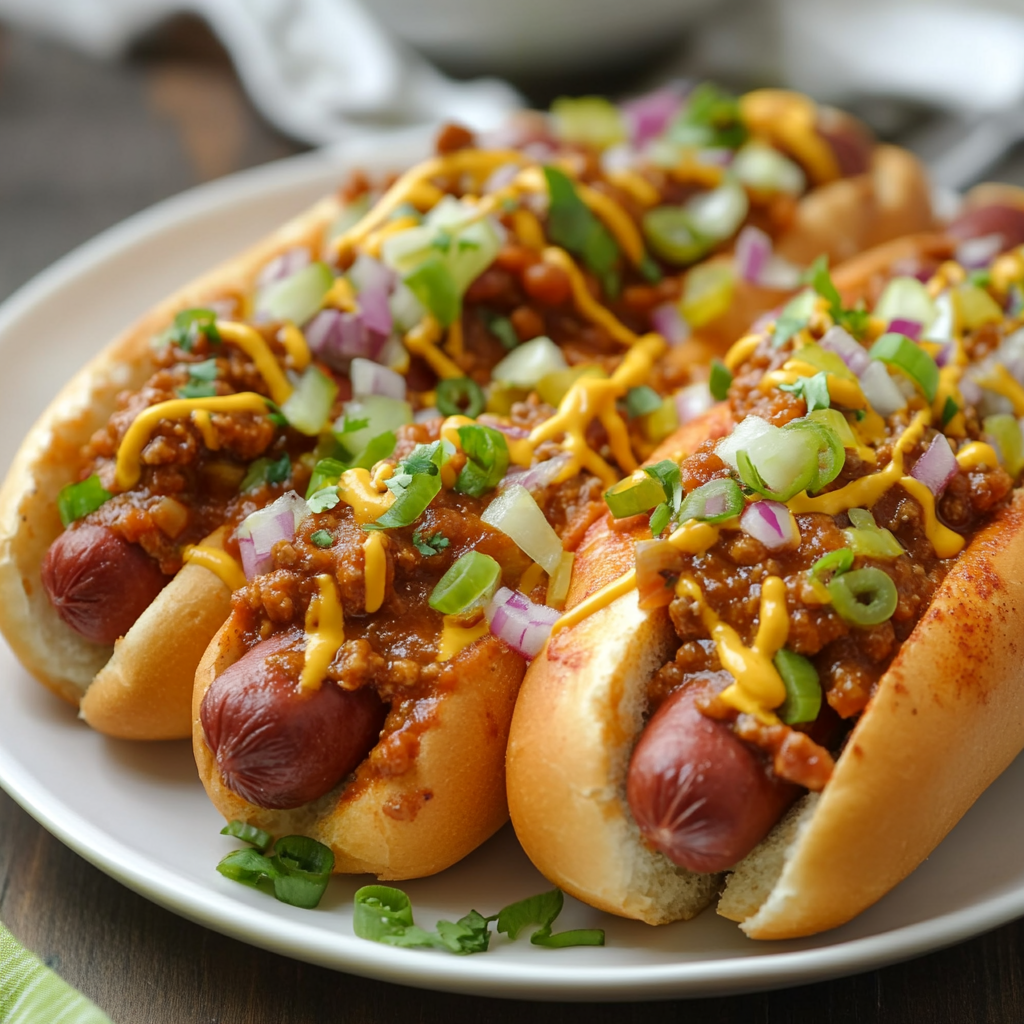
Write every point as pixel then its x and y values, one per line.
pixel 760 971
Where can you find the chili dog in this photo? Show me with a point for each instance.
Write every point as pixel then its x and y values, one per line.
pixel 479 251
pixel 802 687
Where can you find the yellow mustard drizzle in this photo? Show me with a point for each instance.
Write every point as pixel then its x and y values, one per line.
pixel 587 305
pixel 592 398
pixel 356 488
pixel 374 241
pixel 253 345
pixel 790 119
pixel 375 569
pixel 1008 269
pixel 454 342
pixel 531 578
pixel 129 468
pixel 741 351
pixel 455 638
pixel 450 429
pixel 294 342
pixel 422 341
pixel 846 393
pixel 596 601
pixel 528 229
pixel 636 186
pixel 1002 383
pixel 949 388
pixel 218 561
pixel 325 632
pixel 945 542
pixel 694 537
pixel 341 295
pixel 204 424
pixel 977 455
pixel 758 687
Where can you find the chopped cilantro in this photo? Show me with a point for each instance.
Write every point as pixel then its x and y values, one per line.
pixel 720 380
pixel 818 277
pixel 813 390
pixel 949 410
pixel 432 545
pixel 501 327
pixel 572 224
pixel 266 471
pixel 322 538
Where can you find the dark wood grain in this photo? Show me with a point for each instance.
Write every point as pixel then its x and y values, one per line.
pixel 83 145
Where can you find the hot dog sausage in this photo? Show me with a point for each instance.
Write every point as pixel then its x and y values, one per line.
pixel 997 219
pixel 851 143
pixel 280 746
pixel 98 582
pixel 698 793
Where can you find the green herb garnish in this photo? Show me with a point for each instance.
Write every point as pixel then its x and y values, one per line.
pixel 720 380
pixel 501 327
pixel 322 538
pixel 296 872
pixel 818 277
pixel 813 390
pixel 200 380
pixel 487 459
pixel 266 471
pixel 432 545
pixel 572 225
pixel 77 500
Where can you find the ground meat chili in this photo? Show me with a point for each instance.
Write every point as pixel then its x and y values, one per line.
pixel 540 267
pixel 792 595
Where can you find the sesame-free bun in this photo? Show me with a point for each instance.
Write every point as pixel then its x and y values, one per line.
pixel 139 688
pixel 391 823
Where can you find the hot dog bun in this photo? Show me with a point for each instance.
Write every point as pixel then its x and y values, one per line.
pixel 945 718
pixel 139 688
pixel 407 823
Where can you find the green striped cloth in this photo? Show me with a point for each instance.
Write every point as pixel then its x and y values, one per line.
pixel 30 993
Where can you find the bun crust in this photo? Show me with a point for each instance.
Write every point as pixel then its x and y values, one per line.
pixel 414 822
pixel 125 699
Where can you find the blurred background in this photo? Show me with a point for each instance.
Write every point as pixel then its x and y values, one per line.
pixel 109 105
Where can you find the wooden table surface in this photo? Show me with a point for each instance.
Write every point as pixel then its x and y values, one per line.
pixel 82 145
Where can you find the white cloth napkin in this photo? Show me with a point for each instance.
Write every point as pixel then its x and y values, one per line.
pixel 319 70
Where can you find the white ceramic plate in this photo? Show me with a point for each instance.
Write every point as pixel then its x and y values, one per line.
pixel 139 813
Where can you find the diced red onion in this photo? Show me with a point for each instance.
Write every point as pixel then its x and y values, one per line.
pixel 970 390
pixel 668 321
pixel 937 466
pixel 881 390
pixel 716 157
pixel 978 252
pixel 517 433
pixel 911 328
pixel 771 523
pixel 753 250
pixel 337 338
pixel 539 150
pixel 844 345
pixel 693 401
pixel 259 532
pixel 537 478
pixel 283 266
pixel 501 177
pixel 648 116
pixel 523 625
pixel 373 282
pixel 622 157
pixel 224 308
pixel 370 378
pixel 943 354
pixel 426 415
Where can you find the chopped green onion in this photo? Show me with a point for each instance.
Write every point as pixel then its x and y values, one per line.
pixel 248 834
pixel 460 396
pixel 200 380
pixel 854 320
pixel 670 232
pixel 469 583
pixel 501 327
pixel 588 121
pixel 322 538
pixel 906 298
pixel 266 471
pixel 637 493
pixel 825 360
pixel 713 502
pixel 410 503
pixel 309 405
pixel 720 380
pixel 531 362
pixel 711 118
pixel 542 910
pixel 299 297
pixel 864 597
pixel 368 417
pixel 518 516
pixel 326 473
pixel 487 459
pixel 707 293
pixel 641 400
pixel 432 545
pixel 949 410
pixel 572 225
pixel 77 500
pixel 835 562
pixel 297 873
pixel 803 688
pixel 831 451
pixel 432 283
pixel 764 168
pixel 837 423
pixel 780 464
pixel 1005 431
pixel 188 325
pixel 657 425
pixel 869 540
pixel 899 351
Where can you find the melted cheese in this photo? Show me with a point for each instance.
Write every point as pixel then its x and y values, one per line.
pixel 694 537
pixel 129 467
pixel 455 638
pixel 356 488
pixel 375 570
pixel 325 633
pixel 218 561
pixel 341 295
pixel 636 186
pixel 528 229
pixel 253 345
pixel 758 687
pixel 422 341
pixel 741 351
pixel 596 601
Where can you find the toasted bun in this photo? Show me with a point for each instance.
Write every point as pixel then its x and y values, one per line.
pixel 140 688
pixel 421 821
